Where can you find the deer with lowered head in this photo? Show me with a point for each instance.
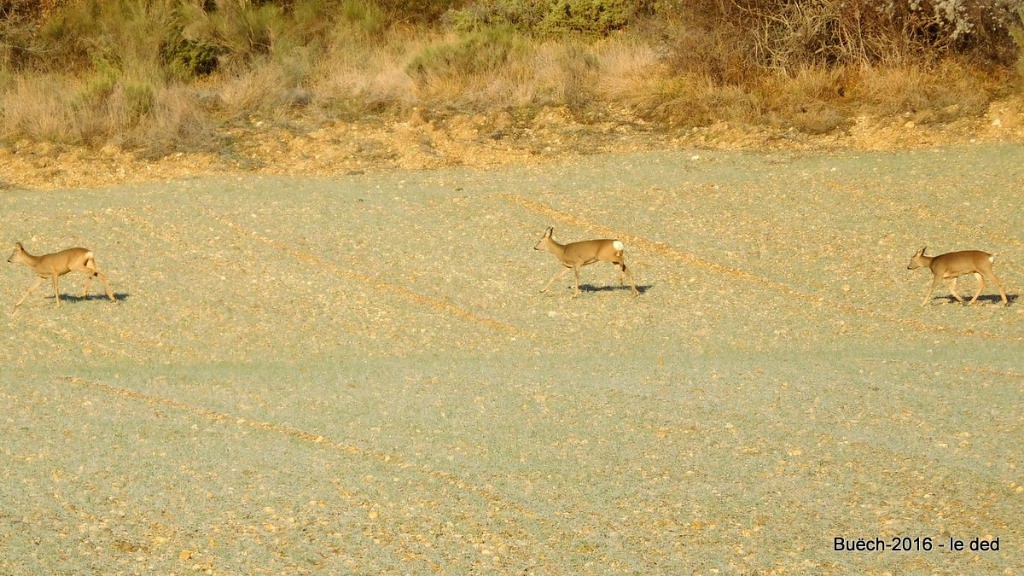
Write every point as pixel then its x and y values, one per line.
pixel 952 265
pixel 578 254
pixel 55 265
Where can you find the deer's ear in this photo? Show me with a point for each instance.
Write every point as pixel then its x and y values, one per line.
pixel 922 251
pixel 551 230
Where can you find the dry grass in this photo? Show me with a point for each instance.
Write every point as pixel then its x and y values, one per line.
pixel 562 74
pixel 371 77
pixel 627 69
pixel 937 93
pixel 801 67
pixel 33 107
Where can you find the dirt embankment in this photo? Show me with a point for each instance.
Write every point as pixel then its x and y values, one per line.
pixel 422 140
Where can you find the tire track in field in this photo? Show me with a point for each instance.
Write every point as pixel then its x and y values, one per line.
pixel 134 337
pixel 169 238
pixel 134 223
pixel 24 336
pixel 66 335
pixel 924 213
pixel 429 301
pixel 85 346
pixel 965 368
pixel 740 274
pixel 55 329
pixel 488 494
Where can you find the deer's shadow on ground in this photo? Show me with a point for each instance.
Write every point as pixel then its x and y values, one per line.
pixel 118 297
pixel 983 299
pixel 641 288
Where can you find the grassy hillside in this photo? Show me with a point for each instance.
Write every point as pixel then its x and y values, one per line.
pixel 169 75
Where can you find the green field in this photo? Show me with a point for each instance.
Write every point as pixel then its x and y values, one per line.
pixel 359 375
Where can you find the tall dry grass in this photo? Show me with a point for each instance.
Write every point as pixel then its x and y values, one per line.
pixel 169 75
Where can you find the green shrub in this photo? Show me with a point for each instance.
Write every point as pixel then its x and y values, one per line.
pixel 473 53
pixel 551 17
pixel 248 32
pixel 366 17
pixel 520 15
pixel 418 11
pixel 589 17
pixel 137 99
pixel 189 59
pixel 98 86
pixel 311 19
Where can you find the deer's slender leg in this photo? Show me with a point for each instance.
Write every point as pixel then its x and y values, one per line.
pixel 952 290
pixel 1002 292
pixel 935 283
pixel 56 289
pixel 557 275
pixel 38 282
pixel 106 285
pixel 981 286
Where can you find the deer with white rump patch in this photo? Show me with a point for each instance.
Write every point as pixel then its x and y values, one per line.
pixel 578 254
pixel 952 265
pixel 56 265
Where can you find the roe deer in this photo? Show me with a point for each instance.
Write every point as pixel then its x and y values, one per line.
pixel 578 254
pixel 56 265
pixel 952 265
